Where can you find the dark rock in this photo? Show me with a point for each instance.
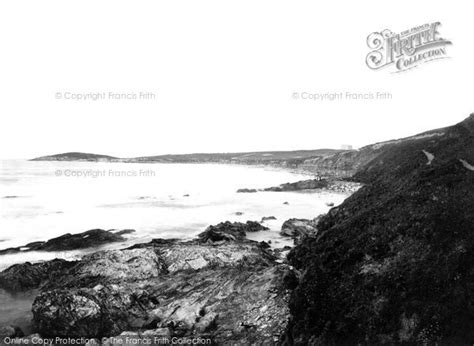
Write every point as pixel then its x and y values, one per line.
pixel 286 203
pixel 239 213
pixel 88 239
pixel 282 252
pixel 267 218
pixel 290 279
pixel 156 241
pixel 230 231
pixel 68 313
pixel 310 184
pixel 297 228
pixel 393 264
pixel 122 231
pixel 26 276
pixel 10 332
pixel 254 226
pixel 246 190
pixel 330 204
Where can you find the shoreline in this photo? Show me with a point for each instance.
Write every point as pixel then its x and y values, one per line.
pixel 219 250
pixel 338 187
pixel 390 265
pixel 266 237
pixel 331 188
pixel 276 243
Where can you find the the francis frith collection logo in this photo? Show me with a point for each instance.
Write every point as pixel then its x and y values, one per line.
pixel 406 50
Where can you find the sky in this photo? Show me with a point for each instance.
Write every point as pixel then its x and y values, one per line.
pixel 219 76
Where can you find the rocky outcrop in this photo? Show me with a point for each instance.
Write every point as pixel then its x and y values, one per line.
pixel 246 190
pixel 309 184
pixel 335 185
pixel 394 263
pixel 219 285
pixel 10 332
pixel 66 242
pixel 268 218
pixel 230 231
pixel 27 276
pixel 299 228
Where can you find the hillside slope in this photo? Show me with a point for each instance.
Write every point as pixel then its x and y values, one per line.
pixel 395 262
pixel 347 163
pixel 279 158
pixel 75 156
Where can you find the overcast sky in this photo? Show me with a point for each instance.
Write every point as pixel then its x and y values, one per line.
pixel 222 73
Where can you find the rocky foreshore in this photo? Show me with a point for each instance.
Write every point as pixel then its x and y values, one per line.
pixel 344 186
pixel 66 242
pixel 299 229
pixel 219 286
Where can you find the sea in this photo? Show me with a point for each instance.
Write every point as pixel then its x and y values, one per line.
pixel 40 200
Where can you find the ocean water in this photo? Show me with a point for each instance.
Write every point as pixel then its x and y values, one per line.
pixel 15 309
pixel 42 200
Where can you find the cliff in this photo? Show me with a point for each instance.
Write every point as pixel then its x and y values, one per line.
pixel 326 162
pixel 291 159
pixel 394 263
